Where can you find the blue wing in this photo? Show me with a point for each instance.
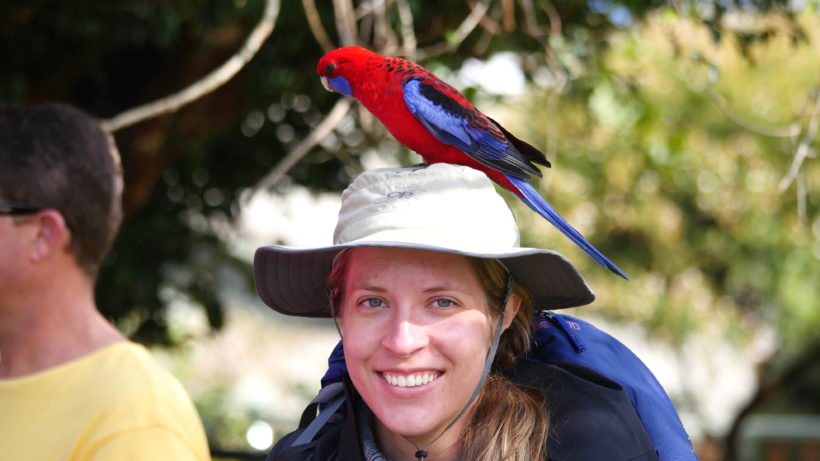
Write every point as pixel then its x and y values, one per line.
pixel 488 143
pixel 470 131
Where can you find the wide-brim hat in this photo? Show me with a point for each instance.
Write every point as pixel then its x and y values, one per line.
pixel 442 208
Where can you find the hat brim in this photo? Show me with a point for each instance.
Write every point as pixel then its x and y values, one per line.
pixel 292 281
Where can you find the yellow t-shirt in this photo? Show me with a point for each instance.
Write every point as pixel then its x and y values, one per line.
pixel 117 403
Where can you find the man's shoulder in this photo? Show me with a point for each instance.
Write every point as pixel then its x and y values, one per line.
pixel 124 367
pixel 141 394
pixel 130 373
pixel 117 396
pixel 115 369
pixel 130 388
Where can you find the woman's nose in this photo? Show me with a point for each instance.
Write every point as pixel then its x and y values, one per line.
pixel 404 337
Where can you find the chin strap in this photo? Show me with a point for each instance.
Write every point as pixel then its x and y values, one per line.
pixel 421 453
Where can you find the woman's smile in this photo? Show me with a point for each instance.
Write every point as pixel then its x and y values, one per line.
pixel 415 379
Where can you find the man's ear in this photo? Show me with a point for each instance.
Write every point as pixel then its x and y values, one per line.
pixel 51 234
pixel 513 305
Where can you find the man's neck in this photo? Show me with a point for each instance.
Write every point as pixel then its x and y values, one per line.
pixel 58 324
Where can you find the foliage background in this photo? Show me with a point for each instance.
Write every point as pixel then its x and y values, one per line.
pixel 671 128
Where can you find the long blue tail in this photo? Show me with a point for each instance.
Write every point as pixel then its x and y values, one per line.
pixel 540 206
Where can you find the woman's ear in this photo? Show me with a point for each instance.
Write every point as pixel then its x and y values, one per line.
pixel 513 305
pixel 51 234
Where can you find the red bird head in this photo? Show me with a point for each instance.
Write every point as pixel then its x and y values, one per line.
pixel 343 69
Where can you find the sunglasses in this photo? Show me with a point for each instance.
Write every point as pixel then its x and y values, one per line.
pixel 17 208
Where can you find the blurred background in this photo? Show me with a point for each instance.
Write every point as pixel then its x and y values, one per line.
pixel 683 137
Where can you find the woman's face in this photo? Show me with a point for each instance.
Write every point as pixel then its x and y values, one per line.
pixel 416 333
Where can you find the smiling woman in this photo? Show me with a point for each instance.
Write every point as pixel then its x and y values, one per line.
pixel 434 299
pixel 413 321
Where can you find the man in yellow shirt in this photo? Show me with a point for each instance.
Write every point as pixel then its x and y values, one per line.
pixel 72 387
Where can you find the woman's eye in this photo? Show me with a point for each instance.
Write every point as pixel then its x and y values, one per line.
pixel 443 302
pixel 373 302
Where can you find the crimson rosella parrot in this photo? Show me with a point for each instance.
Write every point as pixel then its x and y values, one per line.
pixel 435 120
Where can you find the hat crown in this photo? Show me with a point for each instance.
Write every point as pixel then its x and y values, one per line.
pixel 442 205
pixel 443 208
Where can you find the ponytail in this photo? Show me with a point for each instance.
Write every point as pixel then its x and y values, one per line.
pixel 509 422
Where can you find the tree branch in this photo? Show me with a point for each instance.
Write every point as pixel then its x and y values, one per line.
pixel 508 8
pixel 803 148
pixel 800 190
pixel 774 132
pixel 316 27
pixel 384 37
pixel 490 25
pixel 555 17
pixel 532 26
pixel 345 22
pixel 464 29
pixel 324 128
pixel 408 32
pixel 207 84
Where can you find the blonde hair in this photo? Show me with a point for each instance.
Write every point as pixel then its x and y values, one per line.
pixel 509 422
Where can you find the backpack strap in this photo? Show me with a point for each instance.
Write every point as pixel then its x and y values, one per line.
pixel 568 326
pixel 329 399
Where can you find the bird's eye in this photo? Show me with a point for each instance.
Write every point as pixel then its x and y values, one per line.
pixel 330 68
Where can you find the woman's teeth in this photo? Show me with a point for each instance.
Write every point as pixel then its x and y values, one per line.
pixel 412 380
